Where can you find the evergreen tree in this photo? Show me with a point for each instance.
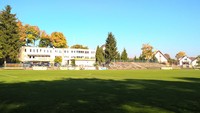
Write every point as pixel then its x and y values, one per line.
pixel 111 48
pixel 124 55
pixel 118 56
pixel 9 36
pixel 135 58
pixel 99 55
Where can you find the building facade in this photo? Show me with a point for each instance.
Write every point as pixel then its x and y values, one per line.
pixel 188 61
pixel 161 57
pixel 38 55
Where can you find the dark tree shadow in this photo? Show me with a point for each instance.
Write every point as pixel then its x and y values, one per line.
pixel 101 96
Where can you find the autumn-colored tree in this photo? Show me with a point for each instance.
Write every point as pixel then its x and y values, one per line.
pixel 22 32
pixel 58 40
pixel 58 59
pixel 78 46
pixel 180 54
pixel 147 51
pixel 45 40
pixel 32 33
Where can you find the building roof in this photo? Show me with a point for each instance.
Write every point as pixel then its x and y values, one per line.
pixel 191 58
pixel 161 53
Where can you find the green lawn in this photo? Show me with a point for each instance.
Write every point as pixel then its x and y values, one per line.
pixel 134 91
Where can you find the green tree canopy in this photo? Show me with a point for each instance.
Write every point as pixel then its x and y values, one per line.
pixel 118 57
pixel 9 36
pixel 99 55
pixel 124 55
pixel 111 48
pixel 78 46
pixel 45 40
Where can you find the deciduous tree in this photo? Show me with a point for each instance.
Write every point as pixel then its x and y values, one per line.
pixel 22 32
pixel 78 46
pixel 180 54
pixel 147 51
pixel 32 34
pixel 111 48
pixel 45 40
pixel 9 36
pixel 58 59
pixel 58 40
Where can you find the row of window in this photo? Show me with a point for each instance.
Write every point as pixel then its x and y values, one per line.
pixel 32 56
pixel 57 51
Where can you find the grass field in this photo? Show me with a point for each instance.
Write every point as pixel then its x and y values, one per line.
pixel 134 91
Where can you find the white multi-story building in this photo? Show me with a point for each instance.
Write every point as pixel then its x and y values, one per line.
pixel 83 57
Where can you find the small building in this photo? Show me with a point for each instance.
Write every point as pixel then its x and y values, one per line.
pixel 161 57
pixel 188 61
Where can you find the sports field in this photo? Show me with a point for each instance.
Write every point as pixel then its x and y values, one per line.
pixel 134 91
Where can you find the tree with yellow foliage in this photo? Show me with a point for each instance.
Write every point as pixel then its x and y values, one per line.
pixel 180 54
pixel 45 40
pixel 32 33
pixel 58 40
pixel 22 32
pixel 147 52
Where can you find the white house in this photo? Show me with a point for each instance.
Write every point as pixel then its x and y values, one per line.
pixel 161 57
pixel 35 55
pixel 188 61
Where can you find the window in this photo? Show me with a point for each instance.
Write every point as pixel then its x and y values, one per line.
pixel 60 51
pixel 47 51
pixel 30 50
pixel 29 56
pixel 33 56
pixel 40 50
pixel 50 51
pixel 44 51
pixel 64 51
pixel 33 50
pixel 25 50
pixel 37 50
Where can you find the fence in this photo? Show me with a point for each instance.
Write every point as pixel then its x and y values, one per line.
pixel 13 65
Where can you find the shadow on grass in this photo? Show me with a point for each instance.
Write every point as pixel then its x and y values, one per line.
pixel 100 96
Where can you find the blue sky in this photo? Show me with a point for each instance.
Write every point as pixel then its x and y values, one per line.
pixel 168 25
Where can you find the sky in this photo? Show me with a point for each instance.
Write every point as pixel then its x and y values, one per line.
pixel 168 25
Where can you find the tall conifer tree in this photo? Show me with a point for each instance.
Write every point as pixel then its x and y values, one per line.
pixel 111 48
pixel 124 55
pixel 9 36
